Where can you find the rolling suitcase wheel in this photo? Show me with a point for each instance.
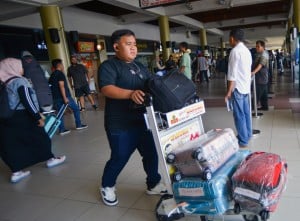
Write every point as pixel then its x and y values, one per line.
pixel 206 174
pixel 264 215
pixel 177 176
pixel 165 217
pixel 250 217
pixel 198 155
pixel 204 218
pixel 171 158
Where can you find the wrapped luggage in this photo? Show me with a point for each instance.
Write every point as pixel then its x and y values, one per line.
pixel 209 197
pixel 258 183
pixel 205 157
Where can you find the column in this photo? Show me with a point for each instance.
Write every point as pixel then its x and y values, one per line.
pixel 296 11
pixel 203 39
pixel 296 14
pixel 222 43
pixel 165 36
pixel 55 34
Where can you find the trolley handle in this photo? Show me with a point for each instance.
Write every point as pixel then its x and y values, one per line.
pixel 148 100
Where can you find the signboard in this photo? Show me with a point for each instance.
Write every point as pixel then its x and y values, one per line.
pixel 156 3
pixel 176 117
pixel 86 46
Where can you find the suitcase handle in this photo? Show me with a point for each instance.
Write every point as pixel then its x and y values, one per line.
pixel 61 111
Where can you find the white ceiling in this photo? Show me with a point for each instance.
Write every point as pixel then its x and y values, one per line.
pixel 274 35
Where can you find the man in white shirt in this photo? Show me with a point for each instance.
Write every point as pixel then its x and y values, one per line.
pixel 239 81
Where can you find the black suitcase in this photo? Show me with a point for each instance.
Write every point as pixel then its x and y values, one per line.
pixel 35 74
pixel 171 91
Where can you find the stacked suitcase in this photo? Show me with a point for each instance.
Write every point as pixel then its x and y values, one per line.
pixel 205 157
pixel 208 197
pixel 202 181
pixel 208 175
pixel 258 183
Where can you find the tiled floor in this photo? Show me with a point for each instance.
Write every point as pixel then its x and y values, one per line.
pixel 70 192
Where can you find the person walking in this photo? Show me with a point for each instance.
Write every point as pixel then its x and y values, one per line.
pixel 121 80
pixel 185 60
pixel 239 83
pixel 79 80
pixel 203 68
pixel 261 72
pixel 61 95
pixel 23 140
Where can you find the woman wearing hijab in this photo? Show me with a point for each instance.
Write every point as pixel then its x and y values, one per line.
pixel 23 140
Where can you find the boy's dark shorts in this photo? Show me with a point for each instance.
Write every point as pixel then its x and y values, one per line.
pixel 82 91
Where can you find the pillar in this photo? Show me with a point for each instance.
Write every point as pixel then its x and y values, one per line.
pixel 165 36
pixel 55 34
pixel 203 39
pixel 222 43
pixel 288 35
pixel 296 12
pixel 296 15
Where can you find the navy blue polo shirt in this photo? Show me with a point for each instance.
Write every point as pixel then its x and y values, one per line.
pixel 119 113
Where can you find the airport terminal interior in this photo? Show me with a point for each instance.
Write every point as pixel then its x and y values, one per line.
pixel 70 192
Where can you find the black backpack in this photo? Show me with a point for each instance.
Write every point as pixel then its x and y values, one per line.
pixel 171 91
pixel 5 112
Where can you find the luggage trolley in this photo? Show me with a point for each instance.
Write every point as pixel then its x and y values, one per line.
pixel 171 130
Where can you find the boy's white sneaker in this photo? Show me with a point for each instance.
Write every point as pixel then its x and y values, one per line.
pixel 109 196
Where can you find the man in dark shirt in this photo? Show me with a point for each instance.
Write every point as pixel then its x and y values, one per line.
pixel 79 74
pixel 121 80
pixel 170 64
pixel 61 95
pixel 261 72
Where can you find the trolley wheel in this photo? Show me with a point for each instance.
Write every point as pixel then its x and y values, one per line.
pixel 171 158
pixel 207 174
pixel 160 217
pixel 177 176
pixel 178 216
pixel 250 217
pixel 264 215
pixel 203 218
pixel 198 155
pixel 237 208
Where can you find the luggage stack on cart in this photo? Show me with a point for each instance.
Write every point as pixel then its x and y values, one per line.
pixel 208 197
pixel 198 168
